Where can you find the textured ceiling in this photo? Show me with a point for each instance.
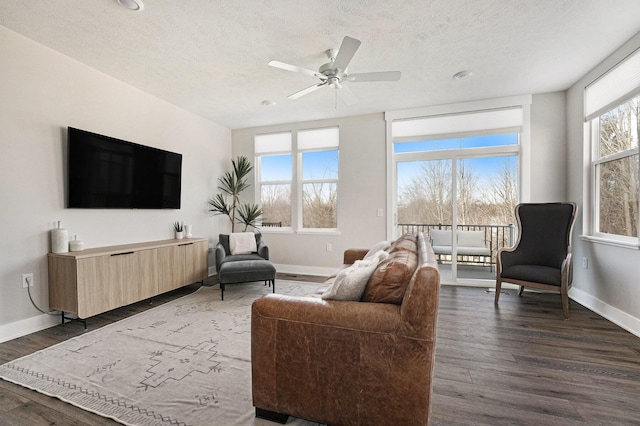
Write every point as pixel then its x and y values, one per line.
pixel 210 56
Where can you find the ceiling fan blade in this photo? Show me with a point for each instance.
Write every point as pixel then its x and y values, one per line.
pixel 348 48
pixel 295 68
pixel 375 76
pixel 346 95
pixel 306 91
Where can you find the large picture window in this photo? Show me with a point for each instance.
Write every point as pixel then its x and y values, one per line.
pixel 459 172
pixel 298 179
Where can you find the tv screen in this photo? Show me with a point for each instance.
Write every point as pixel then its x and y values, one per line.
pixel 110 173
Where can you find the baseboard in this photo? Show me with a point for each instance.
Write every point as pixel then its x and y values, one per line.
pixel 27 326
pixel 615 315
pixel 304 270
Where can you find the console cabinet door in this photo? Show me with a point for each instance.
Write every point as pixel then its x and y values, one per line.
pixel 99 285
pixel 196 264
pixel 171 268
pixel 139 275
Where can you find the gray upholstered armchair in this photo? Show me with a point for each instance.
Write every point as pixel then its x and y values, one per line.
pixel 542 256
pixel 241 268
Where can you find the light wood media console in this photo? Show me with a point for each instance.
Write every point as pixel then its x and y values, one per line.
pixel 96 280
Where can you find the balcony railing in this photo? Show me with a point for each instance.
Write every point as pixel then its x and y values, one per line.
pixel 271 224
pixel 496 237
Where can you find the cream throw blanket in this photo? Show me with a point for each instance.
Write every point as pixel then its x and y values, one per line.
pixel 242 243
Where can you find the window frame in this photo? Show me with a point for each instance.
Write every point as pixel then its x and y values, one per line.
pixel 608 91
pixel 594 190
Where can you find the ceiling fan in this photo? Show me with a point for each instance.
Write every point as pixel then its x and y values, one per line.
pixel 334 73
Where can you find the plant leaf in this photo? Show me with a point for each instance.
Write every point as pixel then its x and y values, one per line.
pixel 249 214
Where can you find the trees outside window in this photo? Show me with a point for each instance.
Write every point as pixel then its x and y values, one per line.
pixel 487 191
pixel 616 171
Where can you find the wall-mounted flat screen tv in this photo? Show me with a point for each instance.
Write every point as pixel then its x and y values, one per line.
pixel 109 173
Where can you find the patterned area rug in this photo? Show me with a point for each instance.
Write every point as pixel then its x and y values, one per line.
pixel 186 362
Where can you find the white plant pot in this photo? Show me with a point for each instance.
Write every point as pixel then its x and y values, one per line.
pixel 179 235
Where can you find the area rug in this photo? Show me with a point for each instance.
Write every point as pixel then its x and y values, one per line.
pixel 183 363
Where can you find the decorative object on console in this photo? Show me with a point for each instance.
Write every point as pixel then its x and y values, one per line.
pixel 76 244
pixel 187 231
pixel 59 240
pixel 179 228
pixel 231 185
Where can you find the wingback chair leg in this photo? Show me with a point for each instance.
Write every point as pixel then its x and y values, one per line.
pixel 498 288
pixel 521 290
pixel 565 302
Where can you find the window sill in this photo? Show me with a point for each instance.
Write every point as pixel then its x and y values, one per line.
pixel 275 230
pixel 610 242
pixel 319 231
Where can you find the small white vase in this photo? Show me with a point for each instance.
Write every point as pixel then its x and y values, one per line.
pixel 59 240
pixel 179 235
pixel 187 231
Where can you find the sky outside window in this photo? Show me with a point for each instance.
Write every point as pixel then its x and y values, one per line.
pixel 275 168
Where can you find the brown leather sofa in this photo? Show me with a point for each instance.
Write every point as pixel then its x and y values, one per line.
pixel 350 363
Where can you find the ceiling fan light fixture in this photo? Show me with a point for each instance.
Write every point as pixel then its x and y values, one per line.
pixel 462 75
pixel 334 83
pixel 135 5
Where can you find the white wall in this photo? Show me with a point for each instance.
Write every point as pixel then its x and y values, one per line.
pixel 548 148
pixel 610 285
pixel 41 93
pixel 362 190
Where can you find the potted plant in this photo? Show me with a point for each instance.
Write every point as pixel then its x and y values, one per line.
pixel 227 202
pixel 179 228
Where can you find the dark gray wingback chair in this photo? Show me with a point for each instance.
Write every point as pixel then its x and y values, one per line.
pixel 542 256
pixel 242 268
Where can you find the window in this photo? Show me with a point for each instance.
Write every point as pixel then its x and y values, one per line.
pixel 612 107
pixel 319 158
pixel 298 178
pixel 615 170
pixel 274 175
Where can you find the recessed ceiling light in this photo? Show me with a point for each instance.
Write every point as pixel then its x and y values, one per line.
pixel 268 103
pixel 462 75
pixel 131 4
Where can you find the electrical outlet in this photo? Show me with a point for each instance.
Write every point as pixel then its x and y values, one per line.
pixel 585 262
pixel 27 280
pixel 380 212
pixel 329 248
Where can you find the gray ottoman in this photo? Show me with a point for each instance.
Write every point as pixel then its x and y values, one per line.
pixel 243 271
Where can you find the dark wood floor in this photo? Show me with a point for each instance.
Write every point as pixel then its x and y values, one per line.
pixel 519 364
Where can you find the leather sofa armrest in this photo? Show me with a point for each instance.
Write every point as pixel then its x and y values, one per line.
pixel 356 316
pixel 351 255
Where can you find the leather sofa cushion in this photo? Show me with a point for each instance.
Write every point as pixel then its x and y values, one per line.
pixel 406 242
pixel 389 281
